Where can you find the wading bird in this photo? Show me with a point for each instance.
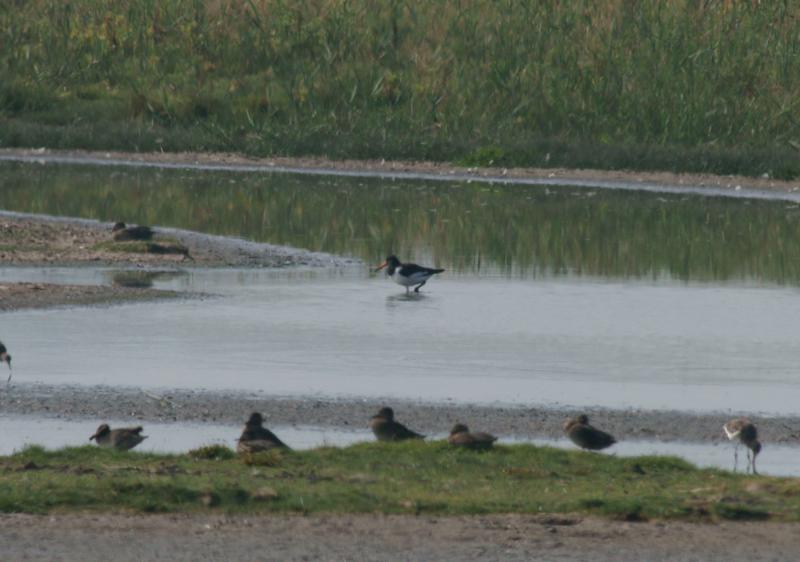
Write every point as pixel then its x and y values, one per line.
pixel 586 436
pixel 122 232
pixel 745 434
pixel 4 356
pixel 386 429
pixel 407 274
pixel 256 438
pixel 461 436
pixel 124 438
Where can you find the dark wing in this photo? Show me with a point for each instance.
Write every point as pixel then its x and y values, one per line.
pixel 2 348
pixel 409 269
pixel 140 232
pixel 261 434
pixel 401 432
pixel 597 439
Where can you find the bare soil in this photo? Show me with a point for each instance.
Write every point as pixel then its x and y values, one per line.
pixel 42 240
pixel 202 537
pixel 16 296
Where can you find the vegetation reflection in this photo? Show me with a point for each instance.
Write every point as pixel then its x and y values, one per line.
pixel 467 227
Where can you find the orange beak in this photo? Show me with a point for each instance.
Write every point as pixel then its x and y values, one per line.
pixel 381 266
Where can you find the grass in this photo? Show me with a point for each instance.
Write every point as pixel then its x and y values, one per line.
pixel 390 478
pixel 679 85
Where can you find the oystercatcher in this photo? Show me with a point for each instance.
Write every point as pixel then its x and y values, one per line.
pixel 4 356
pixel 256 438
pixel 407 274
pixel 586 436
pixel 124 438
pixel 746 433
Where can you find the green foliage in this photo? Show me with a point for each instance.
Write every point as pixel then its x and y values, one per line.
pixel 212 452
pixel 672 85
pixel 416 477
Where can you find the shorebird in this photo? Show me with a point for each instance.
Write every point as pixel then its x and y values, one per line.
pixel 745 433
pixel 124 438
pixel 122 232
pixel 586 436
pixel 4 356
pixel 407 274
pixel 461 436
pixel 256 438
pixel 386 429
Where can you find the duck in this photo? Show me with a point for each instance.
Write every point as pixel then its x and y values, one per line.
pixel 586 436
pixel 123 439
pixel 122 232
pixel 256 438
pixel 461 436
pixel 407 274
pixel 5 356
pixel 386 429
pixel 745 432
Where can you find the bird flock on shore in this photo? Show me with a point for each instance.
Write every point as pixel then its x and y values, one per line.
pixel 256 438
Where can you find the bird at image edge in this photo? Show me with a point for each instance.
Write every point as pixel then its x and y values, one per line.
pixel 407 274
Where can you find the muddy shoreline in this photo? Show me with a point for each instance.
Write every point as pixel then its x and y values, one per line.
pixel 435 419
pixel 623 179
pixel 19 296
pixel 380 537
pixel 43 240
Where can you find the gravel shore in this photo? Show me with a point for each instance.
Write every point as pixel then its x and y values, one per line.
pixel 180 405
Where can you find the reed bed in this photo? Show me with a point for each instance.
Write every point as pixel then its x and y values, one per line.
pixel 690 85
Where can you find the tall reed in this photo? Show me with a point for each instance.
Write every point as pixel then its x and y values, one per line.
pixel 698 84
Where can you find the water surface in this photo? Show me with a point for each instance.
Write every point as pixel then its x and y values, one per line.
pixel 551 296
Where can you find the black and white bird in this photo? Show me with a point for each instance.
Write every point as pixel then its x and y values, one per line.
pixel 407 274
pixel 256 438
pixel 4 356
pixel 745 433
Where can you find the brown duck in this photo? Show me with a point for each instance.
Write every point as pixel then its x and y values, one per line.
pixel 461 436
pixel 386 429
pixel 124 438
pixel 747 435
pixel 256 438
pixel 586 436
pixel 122 232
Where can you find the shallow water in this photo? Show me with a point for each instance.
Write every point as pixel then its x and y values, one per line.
pixel 161 437
pixel 180 437
pixel 551 296
pixel 346 332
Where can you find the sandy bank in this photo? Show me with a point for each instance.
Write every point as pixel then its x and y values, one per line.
pixel 180 405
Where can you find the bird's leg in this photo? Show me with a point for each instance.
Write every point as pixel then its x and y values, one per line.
pixel 747 470
pixel 735 457
pixel 416 290
pixel 754 465
pixel 406 289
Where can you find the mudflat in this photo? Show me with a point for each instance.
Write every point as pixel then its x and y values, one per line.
pixel 201 537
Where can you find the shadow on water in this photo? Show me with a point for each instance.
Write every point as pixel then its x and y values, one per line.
pixel 399 299
pixel 513 231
